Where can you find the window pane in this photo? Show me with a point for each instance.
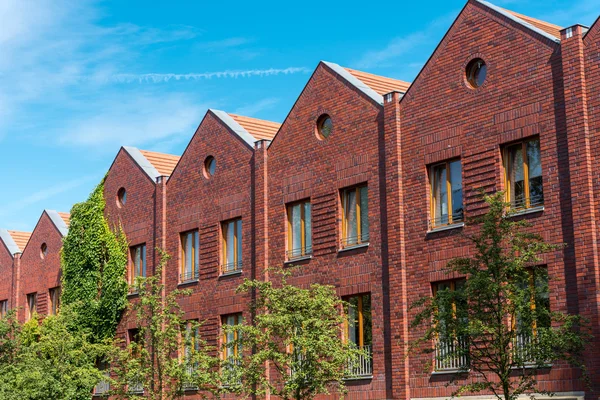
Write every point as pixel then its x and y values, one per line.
pixel 456 187
pixel 542 300
pixel 364 214
pixel 296 229
pixel 138 256
pixel 440 195
pixel 144 260
pixel 307 227
pixel 516 175
pixel 239 241
pixel 188 255
pixel 196 251
pixel 353 320
pixel 536 193
pixel 350 213
pixel 367 320
pixel 230 242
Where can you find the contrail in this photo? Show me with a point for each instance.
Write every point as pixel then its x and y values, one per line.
pixel 159 78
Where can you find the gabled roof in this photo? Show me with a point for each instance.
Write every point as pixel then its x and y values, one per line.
pixel 381 84
pixel 152 163
pixel 164 163
pixel 259 128
pixel 15 241
pixel 545 29
pixel 248 129
pixel 60 220
pixel 373 86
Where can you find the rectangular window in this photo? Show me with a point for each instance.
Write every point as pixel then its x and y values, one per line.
pixel 189 334
pixel 523 174
pixel 231 246
pixel 54 300
pixel 446 193
pixel 355 216
pixel 138 262
pixel 190 256
pixel 359 332
pixel 230 348
pixel 31 305
pixel 299 243
pixel 3 308
pixel 451 348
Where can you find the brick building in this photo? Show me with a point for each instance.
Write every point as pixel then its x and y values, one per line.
pixel 365 185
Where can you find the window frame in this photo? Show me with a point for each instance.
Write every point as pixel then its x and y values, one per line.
pixel 31 307
pixel 507 173
pixel 3 308
pixel 237 247
pixel 304 250
pixel 361 238
pixel 360 318
pixel 452 219
pixel 194 273
pixel 236 349
pixel 54 300
pixel 143 262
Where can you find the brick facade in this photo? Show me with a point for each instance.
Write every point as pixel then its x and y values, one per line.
pixel 542 82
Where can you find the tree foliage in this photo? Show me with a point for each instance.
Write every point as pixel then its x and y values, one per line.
pixel 94 262
pixel 51 360
pixel 499 320
pixel 296 331
pixel 168 355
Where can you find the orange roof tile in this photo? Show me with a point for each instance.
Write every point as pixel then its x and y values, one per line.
pixel 547 27
pixel 259 128
pixel 65 217
pixel 20 238
pixel 380 84
pixel 164 163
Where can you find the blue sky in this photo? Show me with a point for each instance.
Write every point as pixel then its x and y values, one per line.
pixel 80 78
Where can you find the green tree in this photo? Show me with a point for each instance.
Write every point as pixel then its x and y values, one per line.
pixel 297 332
pixel 167 355
pixel 94 262
pixel 51 360
pixel 497 322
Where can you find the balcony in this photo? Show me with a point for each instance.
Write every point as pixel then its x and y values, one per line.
pixel 230 373
pixel 522 349
pixel 446 221
pixel 135 387
pixel 355 241
pixel 362 366
pixel 299 253
pixel 521 204
pixel 188 276
pixel 231 268
pixel 187 381
pixel 102 388
pixel 451 355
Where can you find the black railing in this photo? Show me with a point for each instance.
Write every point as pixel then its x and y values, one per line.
pixel 447 219
pixel 231 267
pixel 351 241
pixel 298 253
pixel 521 202
pixel 361 366
pixel 188 276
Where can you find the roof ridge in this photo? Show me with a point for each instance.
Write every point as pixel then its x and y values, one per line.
pixel 360 85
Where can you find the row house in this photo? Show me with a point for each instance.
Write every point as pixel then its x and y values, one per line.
pixel 367 185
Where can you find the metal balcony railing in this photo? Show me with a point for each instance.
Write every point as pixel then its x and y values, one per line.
pixel 522 202
pixel 451 354
pixel 362 366
pixel 187 383
pixel 231 267
pixel 446 220
pixel 135 387
pixel 522 348
pixel 188 276
pixel 351 241
pixel 102 387
pixel 298 253
pixel 229 373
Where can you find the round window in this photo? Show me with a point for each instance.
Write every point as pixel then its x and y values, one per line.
pixel 324 126
pixel 476 72
pixel 210 165
pixel 121 197
pixel 43 250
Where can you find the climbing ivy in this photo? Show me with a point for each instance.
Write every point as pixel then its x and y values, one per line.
pixel 94 261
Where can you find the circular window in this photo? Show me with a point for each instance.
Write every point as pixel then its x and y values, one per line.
pixel 476 72
pixel 43 250
pixel 210 165
pixel 324 126
pixel 121 197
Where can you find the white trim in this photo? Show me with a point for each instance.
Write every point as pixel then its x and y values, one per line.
pixel 447 227
pixel 58 222
pixel 519 20
pixel 143 162
pixel 360 85
pixel 9 242
pixel 235 127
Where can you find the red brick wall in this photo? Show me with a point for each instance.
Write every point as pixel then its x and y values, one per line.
pixel 442 118
pixel 195 202
pixel 40 274
pixel 301 166
pixel 6 274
